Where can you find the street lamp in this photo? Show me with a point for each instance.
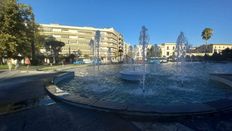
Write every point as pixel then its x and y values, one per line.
pixel 50 47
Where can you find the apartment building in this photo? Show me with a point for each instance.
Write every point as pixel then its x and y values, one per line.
pixel 79 38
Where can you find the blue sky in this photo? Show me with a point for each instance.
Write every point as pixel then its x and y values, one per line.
pixel 163 18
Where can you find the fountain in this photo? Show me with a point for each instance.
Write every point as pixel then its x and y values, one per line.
pixel 95 45
pixel 138 75
pixel 181 47
pixel 119 91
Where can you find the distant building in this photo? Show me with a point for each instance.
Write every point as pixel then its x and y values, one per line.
pixel 167 49
pixel 126 48
pixel 79 38
pixel 218 48
pixel 138 50
pixel 210 49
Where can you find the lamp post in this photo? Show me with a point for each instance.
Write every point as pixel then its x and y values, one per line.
pixel 51 54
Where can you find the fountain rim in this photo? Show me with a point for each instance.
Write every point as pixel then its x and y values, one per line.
pixel 134 111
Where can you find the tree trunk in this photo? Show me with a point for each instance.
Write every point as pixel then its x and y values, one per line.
pixel 206 42
pixel 33 52
pixel 1 61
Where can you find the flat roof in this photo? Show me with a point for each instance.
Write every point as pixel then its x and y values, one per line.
pixel 81 28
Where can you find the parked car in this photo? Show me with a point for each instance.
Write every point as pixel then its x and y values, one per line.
pixel 163 60
pixel 87 61
pixel 97 61
pixel 154 60
pixel 79 61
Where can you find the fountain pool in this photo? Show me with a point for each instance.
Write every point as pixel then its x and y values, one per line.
pixel 162 84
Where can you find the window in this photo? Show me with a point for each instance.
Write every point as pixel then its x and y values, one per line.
pixel 167 53
pixel 73 41
pixel 65 29
pixel 173 48
pixel 64 36
pixel 47 29
pixel 73 31
pixel 167 47
pixel 56 30
pixel 72 37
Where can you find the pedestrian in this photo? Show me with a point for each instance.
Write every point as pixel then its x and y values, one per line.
pixel 16 64
pixel 9 63
pixel 27 62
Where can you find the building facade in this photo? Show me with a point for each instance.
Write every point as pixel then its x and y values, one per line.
pixel 138 51
pixel 218 48
pixel 210 49
pixel 80 38
pixel 167 49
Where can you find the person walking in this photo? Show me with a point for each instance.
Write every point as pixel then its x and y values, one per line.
pixel 16 64
pixel 9 63
pixel 27 62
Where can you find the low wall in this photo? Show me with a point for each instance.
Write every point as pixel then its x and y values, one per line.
pixel 223 78
pixel 136 111
pixel 62 77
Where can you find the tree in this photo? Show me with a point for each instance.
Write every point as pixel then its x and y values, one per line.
pixel 130 52
pixel 154 51
pixel 31 27
pixel 86 56
pixel 206 35
pixel 151 52
pixel 54 47
pixel 17 27
pixel 77 53
pixel 120 50
pixel 227 54
pixel 11 28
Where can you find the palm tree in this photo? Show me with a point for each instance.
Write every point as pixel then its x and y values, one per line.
pixel 206 35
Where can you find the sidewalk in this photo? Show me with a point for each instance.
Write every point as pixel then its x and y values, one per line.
pixel 21 91
pixel 22 71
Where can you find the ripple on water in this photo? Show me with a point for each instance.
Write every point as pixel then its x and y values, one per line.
pixel 163 86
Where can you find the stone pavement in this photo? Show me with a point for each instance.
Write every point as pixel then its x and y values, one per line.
pixel 20 93
pixel 18 89
pixel 63 118
pixel 5 74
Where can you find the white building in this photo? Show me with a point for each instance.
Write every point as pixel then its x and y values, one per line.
pixel 209 49
pixel 138 51
pixel 167 49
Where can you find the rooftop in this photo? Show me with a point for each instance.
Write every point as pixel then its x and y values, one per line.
pixel 78 27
